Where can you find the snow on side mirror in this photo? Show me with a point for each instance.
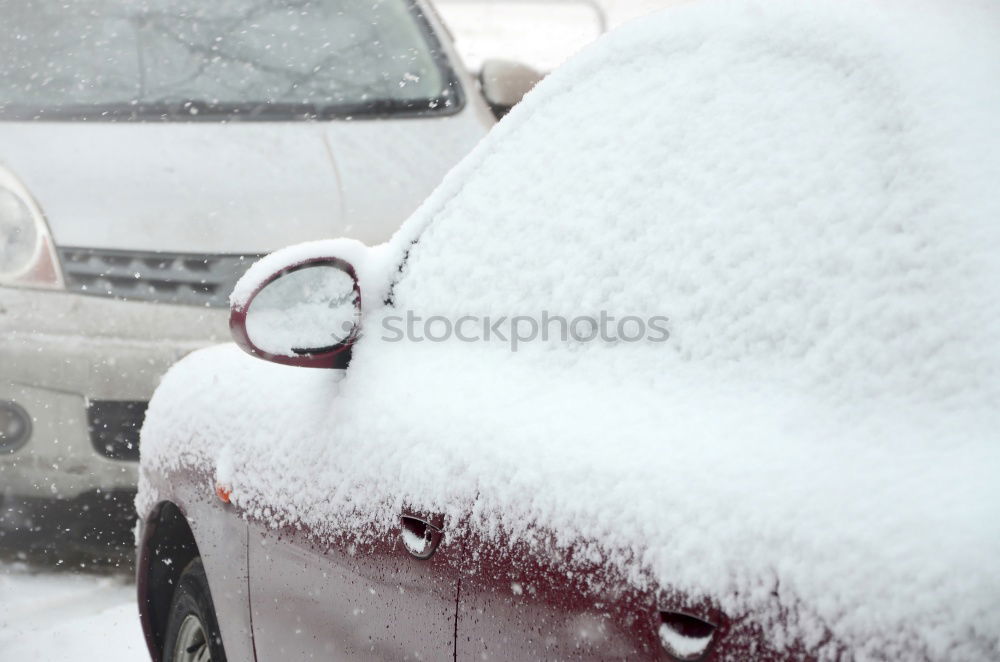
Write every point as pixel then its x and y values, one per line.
pixel 504 83
pixel 307 314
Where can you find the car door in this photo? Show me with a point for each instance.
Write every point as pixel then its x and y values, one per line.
pixel 533 602
pixel 388 597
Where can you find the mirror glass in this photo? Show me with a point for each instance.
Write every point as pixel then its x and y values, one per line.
pixel 306 311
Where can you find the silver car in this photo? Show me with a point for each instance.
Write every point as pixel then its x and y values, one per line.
pixel 149 151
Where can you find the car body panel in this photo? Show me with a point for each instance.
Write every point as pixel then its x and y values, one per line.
pixel 59 352
pixel 341 599
pixel 183 186
pixel 537 599
pixel 221 537
pixel 175 186
pixel 521 602
pixel 386 168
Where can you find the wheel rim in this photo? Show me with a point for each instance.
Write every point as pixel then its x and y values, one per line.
pixel 192 643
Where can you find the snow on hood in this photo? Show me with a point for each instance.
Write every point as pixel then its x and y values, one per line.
pixel 807 192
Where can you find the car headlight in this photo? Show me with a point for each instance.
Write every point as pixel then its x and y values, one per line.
pixel 27 254
pixel 17 232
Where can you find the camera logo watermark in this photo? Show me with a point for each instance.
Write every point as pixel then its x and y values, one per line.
pixel 517 330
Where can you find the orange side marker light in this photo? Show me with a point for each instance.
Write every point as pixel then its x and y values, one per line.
pixel 223 493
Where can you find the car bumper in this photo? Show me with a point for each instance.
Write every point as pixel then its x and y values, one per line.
pixel 64 357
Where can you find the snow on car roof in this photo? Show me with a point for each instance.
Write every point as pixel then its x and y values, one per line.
pixel 807 192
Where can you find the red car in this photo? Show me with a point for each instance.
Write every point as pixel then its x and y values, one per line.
pixel 695 357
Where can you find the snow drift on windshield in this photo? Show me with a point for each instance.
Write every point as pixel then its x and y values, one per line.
pixel 807 192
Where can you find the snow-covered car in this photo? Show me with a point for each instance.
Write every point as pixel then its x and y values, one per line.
pixel 695 357
pixel 149 152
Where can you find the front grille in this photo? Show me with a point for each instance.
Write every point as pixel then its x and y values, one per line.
pixel 114 427
pixel 182 278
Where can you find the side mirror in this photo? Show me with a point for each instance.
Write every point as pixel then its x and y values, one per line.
pixel 504 83
pixel 307 314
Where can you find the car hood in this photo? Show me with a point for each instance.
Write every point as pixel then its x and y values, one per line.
pixel 229 188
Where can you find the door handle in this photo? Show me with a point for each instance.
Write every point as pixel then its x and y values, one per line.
pixel 420 537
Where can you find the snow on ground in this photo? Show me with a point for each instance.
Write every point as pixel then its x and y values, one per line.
pixel 56 617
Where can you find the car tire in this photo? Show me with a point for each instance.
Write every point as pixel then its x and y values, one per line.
pixel 192 627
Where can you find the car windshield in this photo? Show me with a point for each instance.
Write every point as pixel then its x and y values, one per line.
pixel 181 59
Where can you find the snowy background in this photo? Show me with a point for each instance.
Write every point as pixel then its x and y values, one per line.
pixel 54 616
